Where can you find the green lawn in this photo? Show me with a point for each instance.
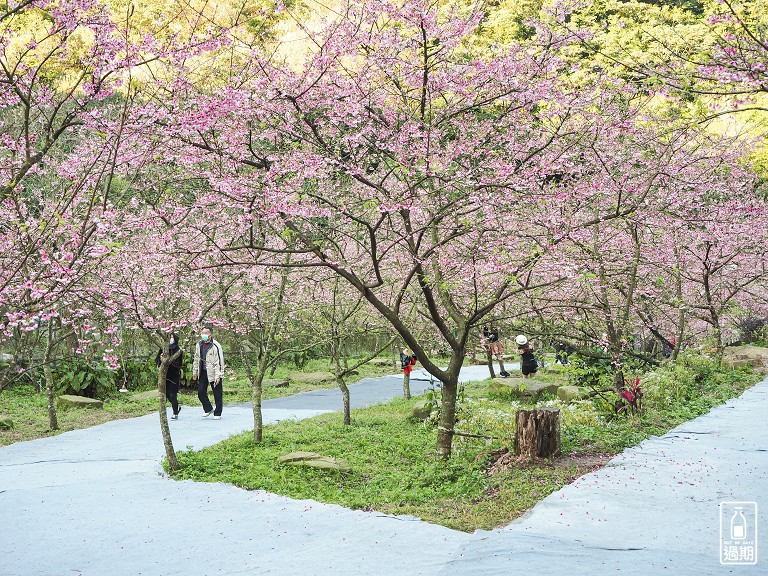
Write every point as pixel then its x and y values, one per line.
pixel 392 456
pixel 394 468
pixel 27 408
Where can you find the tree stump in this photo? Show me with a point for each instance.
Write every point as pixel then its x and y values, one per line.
pixel 538 433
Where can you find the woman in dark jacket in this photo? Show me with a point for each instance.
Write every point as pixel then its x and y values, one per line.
pixel 528 362
pixel 173 376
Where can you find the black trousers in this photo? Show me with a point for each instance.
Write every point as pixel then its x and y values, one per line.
pixel 202 394
pixel 172 393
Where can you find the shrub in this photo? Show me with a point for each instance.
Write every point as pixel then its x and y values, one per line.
pixel 577 413
pixel 83 378
pixel 668 386
pixel 137 375
pixel 477 416
pixel 752 330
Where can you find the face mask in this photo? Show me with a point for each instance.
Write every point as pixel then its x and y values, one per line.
pixel 204 337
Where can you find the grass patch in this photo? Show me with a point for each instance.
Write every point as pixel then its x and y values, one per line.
pixel 28 410
pixel 395 470
pixel 27 407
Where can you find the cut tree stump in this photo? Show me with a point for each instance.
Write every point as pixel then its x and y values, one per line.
pixel 538 433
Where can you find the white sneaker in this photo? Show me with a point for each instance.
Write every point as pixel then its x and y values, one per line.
pixel 207 414
pixel 217 417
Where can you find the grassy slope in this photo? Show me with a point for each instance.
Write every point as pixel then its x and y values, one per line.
pixel 27 408
pixel 394 468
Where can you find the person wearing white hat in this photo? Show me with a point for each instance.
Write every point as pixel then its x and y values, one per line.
pixel 528 363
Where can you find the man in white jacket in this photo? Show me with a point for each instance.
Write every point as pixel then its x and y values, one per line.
pixel 208 368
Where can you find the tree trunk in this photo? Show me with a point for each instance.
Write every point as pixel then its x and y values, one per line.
pixel 714 315
pixel 445 428
pixel 257 388
pixel 538 433
pixel 170 453
pixel 490 361
pixel 345 396
pixel 618 380
pixel 407 386
pixel 53 420
pixel 680 307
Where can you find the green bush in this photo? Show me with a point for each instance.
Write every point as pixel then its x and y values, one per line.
pixel 487 418
pixel 96 380
pixel 588 372
pixel 667 386
pixel 82 378
pixel 137 375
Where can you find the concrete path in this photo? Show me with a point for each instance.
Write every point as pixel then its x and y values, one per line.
pixel 94 502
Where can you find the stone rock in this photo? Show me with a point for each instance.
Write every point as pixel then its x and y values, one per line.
pixel 736 363
pixel 522 388
pixel 740 356
pixel 381 362
pixel 324 463
pixel 6 423
pixel 314 460
pixel 79 401
pixel 568 393
pixel 311 377
pixel 422 409
pixel 294 456
pixel 142 396
pixel 276 383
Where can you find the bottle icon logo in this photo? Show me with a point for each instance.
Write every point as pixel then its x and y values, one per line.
pixel 738 525
pixel 738 533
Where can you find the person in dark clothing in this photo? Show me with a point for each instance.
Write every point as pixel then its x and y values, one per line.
pixel 495 347
pixel 173 375
pixel 407 361
pixel 562 351
pixel 208 369
pixel 528 363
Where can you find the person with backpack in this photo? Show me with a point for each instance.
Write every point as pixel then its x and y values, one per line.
pixel 208 369
pixel 528 362
pixel 495 346
pixel 407 361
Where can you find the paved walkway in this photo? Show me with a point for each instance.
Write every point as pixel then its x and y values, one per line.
pixel 94 502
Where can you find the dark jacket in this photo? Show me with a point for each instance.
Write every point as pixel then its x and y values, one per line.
pixel 174 368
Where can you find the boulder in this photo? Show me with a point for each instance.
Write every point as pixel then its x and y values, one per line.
pixel 294 456
pixel 79 401
pixel 324 463
pixel 522 388
pixel 381 362
pixel 6 423
pixel 736 363
pixel 276 383
pixel 568 393
pixel 741 356
pixel 422 409
pixel 142 396
pixel 311 377
pixel 314 460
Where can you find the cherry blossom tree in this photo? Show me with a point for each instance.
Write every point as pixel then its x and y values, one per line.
pixel 341 315
pixel 261 309
pixel 422 175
